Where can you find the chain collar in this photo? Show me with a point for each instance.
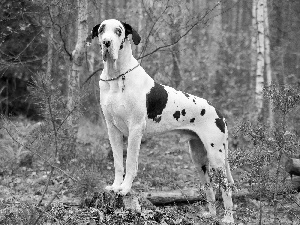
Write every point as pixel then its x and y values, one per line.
pixel 121 75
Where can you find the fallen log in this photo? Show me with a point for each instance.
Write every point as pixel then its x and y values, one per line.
pixel 175 196
pixel 183 196
pixel 292 166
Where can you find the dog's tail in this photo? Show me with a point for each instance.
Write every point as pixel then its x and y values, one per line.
pixel 227 167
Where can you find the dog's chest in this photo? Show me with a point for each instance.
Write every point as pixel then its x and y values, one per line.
pixel 119 107
pixel 114 103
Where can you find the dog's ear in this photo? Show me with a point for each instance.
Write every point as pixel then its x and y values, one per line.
pixel 92 35
pixel 95 31
pixel 129 30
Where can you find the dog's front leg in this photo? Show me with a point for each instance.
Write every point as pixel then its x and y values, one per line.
pixel 116 142
pixel 134 143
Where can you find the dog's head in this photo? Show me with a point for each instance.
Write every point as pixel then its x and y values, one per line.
pixel 112 35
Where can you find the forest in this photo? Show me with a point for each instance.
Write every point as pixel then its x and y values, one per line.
pixel 243 56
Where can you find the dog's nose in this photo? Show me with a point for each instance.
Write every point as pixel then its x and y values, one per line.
pixel 106 43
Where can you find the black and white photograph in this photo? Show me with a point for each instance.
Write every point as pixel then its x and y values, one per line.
pixel 149 112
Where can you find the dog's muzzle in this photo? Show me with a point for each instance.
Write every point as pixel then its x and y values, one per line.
pixel 108 50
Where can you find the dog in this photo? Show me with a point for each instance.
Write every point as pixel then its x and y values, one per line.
pixel 134 105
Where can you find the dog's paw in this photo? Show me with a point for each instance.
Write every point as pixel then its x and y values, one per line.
pixel 207 215
pixel 228 217
pixel 123 190
pixel 113 188
pixel 228 220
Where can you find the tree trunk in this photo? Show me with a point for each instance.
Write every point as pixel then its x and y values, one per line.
pixel 253 44
pixel 260 57
pixel 239 31
pixel 233 21
pixel 174 34
pixel 268 64
pixel 50 45
pixel 176 77
pixel 140 25
pixel 214 39
pixel 77 60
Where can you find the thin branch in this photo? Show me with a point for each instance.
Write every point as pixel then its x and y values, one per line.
pixel 148 36
pixel 18 56
pixel 60 34
pixel 56 150
pixel 183 35
pixel 91 75
pixel 46 187
pixel 41 157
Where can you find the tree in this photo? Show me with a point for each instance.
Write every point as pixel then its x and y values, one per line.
pixel 78 56
pixel 50 43
pixel 175 19
pixel 260 63
pixel 268 63
pixel 253 42
pixel 214 38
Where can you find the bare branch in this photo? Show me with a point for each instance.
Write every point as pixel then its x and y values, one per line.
pixel 148 36
pixel 60 34
pixel 183 35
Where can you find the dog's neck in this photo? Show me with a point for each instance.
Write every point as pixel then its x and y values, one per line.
pixel 124 62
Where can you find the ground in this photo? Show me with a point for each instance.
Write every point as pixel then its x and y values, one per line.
pixel 164 164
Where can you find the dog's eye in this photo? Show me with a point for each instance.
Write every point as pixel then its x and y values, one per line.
pixel 118 32
pixel 101 29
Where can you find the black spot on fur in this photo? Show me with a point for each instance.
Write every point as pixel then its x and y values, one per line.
pixel 186 94
pixel 220 150
pixel 220 124
pixel 202 112
pixel 194 100
pixel 192 120
pixel 183 112
pixel 224 145
pixel 212 144
pixel 156 101
pixel 176 115
pixel 204 169
pixel 157 119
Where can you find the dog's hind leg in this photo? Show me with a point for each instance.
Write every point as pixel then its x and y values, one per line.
pixel 219 171
pixel 199 157
pixel 116 142
pixel 227 188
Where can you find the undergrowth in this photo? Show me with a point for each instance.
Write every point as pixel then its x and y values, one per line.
pixel 265 153
pixel 52 146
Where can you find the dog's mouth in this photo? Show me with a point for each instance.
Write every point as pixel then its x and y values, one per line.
pixel 107 55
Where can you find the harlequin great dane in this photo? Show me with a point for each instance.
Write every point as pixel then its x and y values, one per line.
pixel 134 105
